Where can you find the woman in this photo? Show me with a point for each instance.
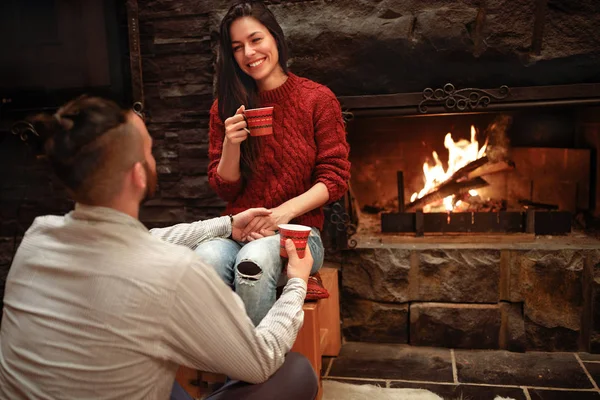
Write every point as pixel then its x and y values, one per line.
pixel 294 172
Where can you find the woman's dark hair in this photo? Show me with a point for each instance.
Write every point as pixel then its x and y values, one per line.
pixel 90 144
pixel 234 87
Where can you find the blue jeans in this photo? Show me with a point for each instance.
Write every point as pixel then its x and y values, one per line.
pixel 254 268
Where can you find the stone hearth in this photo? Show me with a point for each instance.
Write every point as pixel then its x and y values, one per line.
pixel 511 292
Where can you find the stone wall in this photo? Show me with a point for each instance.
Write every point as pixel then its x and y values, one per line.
pixel 394 46
pixel 473 297
pixel 177 62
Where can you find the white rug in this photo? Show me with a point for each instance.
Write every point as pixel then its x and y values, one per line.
pixel 333 390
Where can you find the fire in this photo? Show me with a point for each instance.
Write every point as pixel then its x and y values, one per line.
pixel 460 153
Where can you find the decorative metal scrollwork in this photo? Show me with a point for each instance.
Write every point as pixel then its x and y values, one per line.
pixel 347 116
pixel 24 130
pixel 462 99
pixel 343 223
pixel 138 108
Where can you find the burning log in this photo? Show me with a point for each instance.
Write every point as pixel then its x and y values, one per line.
pixel 466 178
pixel 463 172
pixel 485 161
pixel 531 205
pixel 491 168
pixel 446 189
pixel 468 203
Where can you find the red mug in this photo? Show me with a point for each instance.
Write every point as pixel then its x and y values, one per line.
pixel 299 235
pixel 260 121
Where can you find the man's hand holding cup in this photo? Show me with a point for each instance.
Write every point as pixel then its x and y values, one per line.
pixel 298 267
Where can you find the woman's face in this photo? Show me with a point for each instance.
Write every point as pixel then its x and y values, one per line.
pixel 255 51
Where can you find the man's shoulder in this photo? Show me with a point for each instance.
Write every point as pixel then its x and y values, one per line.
pixel 43 222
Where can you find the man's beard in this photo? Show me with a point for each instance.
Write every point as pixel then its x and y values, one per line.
pixel 151 183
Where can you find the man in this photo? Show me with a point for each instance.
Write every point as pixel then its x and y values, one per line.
pixel 96 307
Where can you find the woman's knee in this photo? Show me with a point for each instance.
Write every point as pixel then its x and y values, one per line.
pixel 259 259
pixel 219 254
pixel 218 251
pixel 317 250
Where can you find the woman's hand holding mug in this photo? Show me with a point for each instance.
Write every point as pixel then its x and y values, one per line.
pixel 236 127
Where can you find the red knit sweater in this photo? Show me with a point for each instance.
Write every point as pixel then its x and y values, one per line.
pixel 308 145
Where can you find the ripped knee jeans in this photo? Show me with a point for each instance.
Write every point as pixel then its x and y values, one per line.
pixel 253 269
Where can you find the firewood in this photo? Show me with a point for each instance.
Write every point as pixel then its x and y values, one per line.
pixel 491 168
pixel 446 189
pixel 463 172
pixel 526 204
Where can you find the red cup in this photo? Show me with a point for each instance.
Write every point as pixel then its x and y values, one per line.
pixel 299 235
pixel 260 121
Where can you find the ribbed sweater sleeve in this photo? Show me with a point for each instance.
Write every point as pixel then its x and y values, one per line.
pixel 332 167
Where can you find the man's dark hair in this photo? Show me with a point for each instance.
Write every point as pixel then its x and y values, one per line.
pixel 90 144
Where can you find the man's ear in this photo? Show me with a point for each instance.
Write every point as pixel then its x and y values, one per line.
pixel 138 176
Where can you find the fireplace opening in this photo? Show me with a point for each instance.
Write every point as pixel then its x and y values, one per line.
pixel 528 171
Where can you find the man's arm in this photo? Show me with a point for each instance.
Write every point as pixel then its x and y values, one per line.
pixel 190 235
pixel 209 329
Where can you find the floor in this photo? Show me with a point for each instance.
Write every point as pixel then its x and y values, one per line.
pixel 466 374
pixel 469 374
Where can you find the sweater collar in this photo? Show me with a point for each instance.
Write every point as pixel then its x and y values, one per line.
pixel 281 92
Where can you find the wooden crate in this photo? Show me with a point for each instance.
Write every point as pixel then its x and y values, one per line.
pixel 321 335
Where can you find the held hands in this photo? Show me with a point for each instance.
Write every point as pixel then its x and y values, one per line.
pixel 266 225
pixel 241 220
pixel 236 128
pixel 298 267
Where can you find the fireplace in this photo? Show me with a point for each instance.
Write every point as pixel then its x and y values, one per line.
pixel 524 168
pixel 508 261
pixel 546 179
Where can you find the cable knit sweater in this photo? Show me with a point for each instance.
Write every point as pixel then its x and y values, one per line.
pixel 308 145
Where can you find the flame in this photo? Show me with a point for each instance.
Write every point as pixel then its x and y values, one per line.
pixel 460 153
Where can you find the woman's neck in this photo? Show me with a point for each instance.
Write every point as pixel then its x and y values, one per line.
pixel 273 81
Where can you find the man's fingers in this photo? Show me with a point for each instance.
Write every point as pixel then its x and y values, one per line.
pixel 265 223
pixel 307 252
pixel 251 226
pixel 258 227
pixel 252 237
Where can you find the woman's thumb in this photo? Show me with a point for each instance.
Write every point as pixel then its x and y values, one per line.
pixel 241 109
